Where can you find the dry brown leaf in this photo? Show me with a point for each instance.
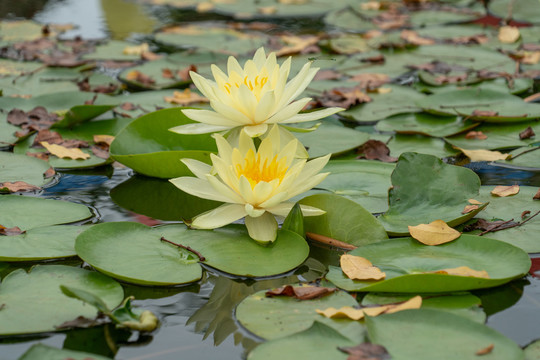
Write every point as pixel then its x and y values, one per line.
pixel 64 152
pixel 485 350
pixel 503 191
pixel 105 139
pixel 525 213
pixel 345 312
pixel 10 231
pixel 359 268
pixel 17 186
pixel 483 155
pixel 434 233
pixel 412 37
pixel 474 202
pixel 413 303
pixel 469 208
pixel 484 113
pixel 508 34
pixel 527 133
pixel 185 97
pixel 296 44
pixel 49 173
pixel 531 57
pixel 101 151
pixel 476 135
pixel 366 351
pixel 371 80
pixel 537 196
pixel 463 271
pixel 375 150
pixel 204 7
pixel 306 292
pixel 135 75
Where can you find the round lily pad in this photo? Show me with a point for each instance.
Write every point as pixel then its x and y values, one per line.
pixel 344 220
pixel 527 160
pixel 427 145
pixel 363 181
pixel 14 167
pixel 44 352
pixel 34 303
pixel 319 342
pixel 426 189
pixel 47 242
pixel 281 316
pixel 481 105
pixel 425 124
pixel 523 10
pixel 511 207
pixel 29 212
pixel 407 264
pixel 148 147
pixel 135 253
pixel 426 339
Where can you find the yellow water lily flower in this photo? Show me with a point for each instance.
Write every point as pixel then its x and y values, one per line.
pixel 252 97
pixel 253 183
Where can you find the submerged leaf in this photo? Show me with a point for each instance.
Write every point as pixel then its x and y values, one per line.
pixel 434 233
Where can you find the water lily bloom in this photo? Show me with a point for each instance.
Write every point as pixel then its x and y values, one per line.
pixel 253 183
pixel 252 97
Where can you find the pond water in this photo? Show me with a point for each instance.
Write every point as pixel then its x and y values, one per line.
pixel 197 321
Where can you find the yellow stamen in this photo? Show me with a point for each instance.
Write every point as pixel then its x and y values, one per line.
pixel 256 170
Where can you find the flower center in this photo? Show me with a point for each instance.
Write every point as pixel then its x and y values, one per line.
pixel 257 170
pixel 254 84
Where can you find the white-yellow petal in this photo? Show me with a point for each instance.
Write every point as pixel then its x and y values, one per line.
pixel 253 212
pixel 220 216
pixel 255 130
pixel 312 115
pixel 209 117
pixel 288 111
pixel 262 229
pixel 199 188
pixel 198 168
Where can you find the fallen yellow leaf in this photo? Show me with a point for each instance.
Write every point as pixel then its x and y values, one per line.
pixel 508 34
pixel 64 152
pixel 474 202
pixel 434 233
pixel 106 139
pixel 185 97
pixel 359 268
pixel 531 57
pixel 413 303
pixel 204 7
pixel 347 312
pixel 136 50
pixel 484 155
pixel 503 191
pixel 464 271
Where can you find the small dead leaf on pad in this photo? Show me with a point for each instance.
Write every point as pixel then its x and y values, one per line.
pixel 463 271
pixel 135 75
pixel 185 97
pixel 17 186
pixel 484 113
pixel 301 292
pixel 359 268
pixel 10 231
pixel 106 139
pixel 485 350
pixel 474 202
pixel 527 133
pixel 366 351
pixel 469 208
pixel 508 34
pixel 375 150
pixel 537 195
pixel 358 314
pixel 434 233
pixel 49 173
pixel 64 152
pixel 345 312
pixel 503 191
pixel 476 135
pixel 412 37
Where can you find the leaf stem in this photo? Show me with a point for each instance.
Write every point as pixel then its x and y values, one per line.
pixel 201 258
pixel 329 241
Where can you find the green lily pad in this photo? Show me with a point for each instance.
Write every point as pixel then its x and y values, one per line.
pixel 148 147
pixel 32 79
pixel 400 144
pixel 528 159
pixel 174 62
pixel 459 338
pixel 511 207
pixel 365 182
pixel 401 99
pixel 523 10
pixel 406 261
pixel 81 113
pixel 112 50
pixel 212 38
pixel 34 303
pixel 318 342
pixel 420 19
pixel 134 253
pixel 63 100
pixel 499 136
pixel 159 199
pixel 44 352
pixel 517 86
pixel 344 220
pixel 14 167
pixel 323 140
pixel 494 106
pixel 281 316
pixel 425 124
pixel 532 351
pixel 28 212
pixel 7 133
pixel 42 243
pixel 21 30
pixel 426 189
pixel 464 304
pixel 349 19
